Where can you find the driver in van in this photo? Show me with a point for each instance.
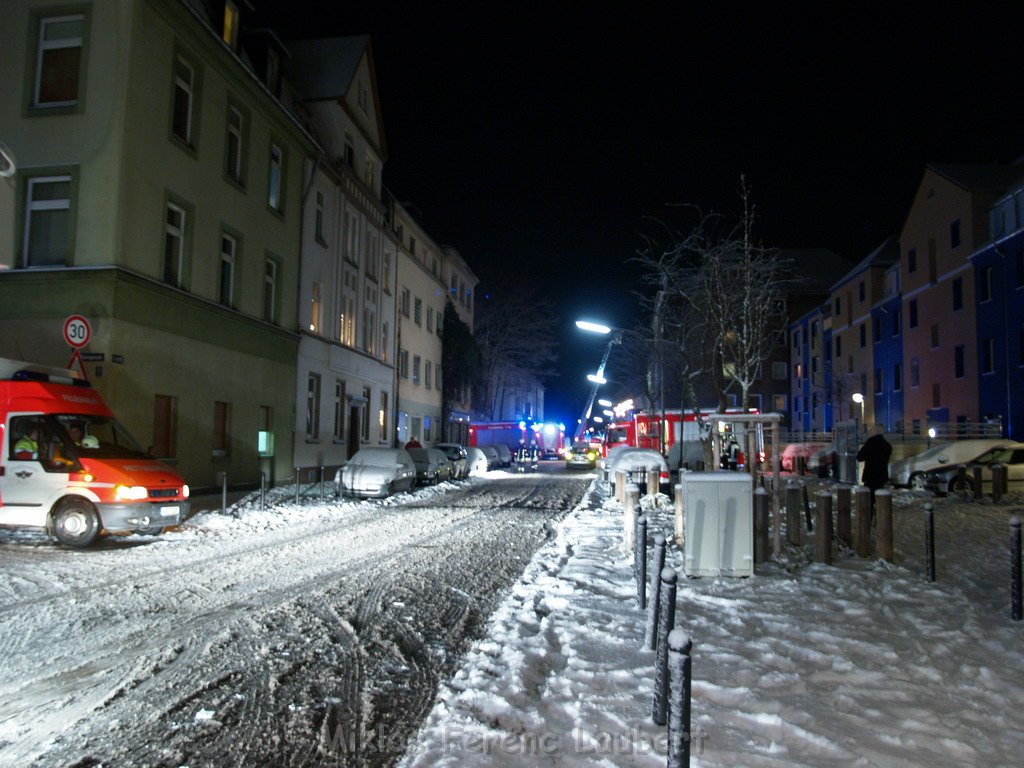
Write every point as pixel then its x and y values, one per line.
pixel 27 448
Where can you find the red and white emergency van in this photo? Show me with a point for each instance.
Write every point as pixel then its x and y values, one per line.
pixel 642 429
pixel 69 467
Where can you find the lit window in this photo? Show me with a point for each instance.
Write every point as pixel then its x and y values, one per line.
pixel 230 24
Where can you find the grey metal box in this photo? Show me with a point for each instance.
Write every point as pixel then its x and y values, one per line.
pixel 718 524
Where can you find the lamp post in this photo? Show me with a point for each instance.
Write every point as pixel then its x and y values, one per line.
pixel 858 398
pixel 596 379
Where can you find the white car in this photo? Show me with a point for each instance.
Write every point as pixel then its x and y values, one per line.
pixel 376 473
pixel 504 455
pixel 493 460
pixel 636 463
pixel 432 466
pixel 458 457
pixel 936 468
pixel 477 461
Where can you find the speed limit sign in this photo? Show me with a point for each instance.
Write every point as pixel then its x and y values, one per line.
pixel 77 331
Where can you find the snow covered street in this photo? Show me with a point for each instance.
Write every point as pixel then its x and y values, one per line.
pixel 858 664
pixel 265 638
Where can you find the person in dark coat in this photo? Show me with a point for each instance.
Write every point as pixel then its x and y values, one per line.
pixel 875 454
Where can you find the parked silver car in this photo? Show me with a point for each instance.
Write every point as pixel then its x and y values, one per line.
pixel 459 458
pixel 432 466
pixel 493 460
pixel 376 473
pixel 504 455
pixel 936 470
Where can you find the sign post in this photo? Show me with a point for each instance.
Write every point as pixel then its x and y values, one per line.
pixel 77 334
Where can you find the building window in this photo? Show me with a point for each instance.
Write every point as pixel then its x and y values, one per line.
pixel 403 303
pixel 365 414
pixel 270 291
pixel 958 294
pixel 226 281
pixel 860 291
pixel 954 234
pixel 352 241
pixel 385 337
pixel 796 339
pixel 814 368
pixel 235 145
pixel 313 407
pixel 915 372
pixel 165 426
pixel 318 225
pixel 430 319
pixel 839 346
pixel 275 178
pixel 350 151
pixel 382 416
pixel 265 431
pixel 814 332
pixel 58 61
pixel 230 33
pixel 878 381
pixel 221 424
pixel 174 245
pixel 780 403
pixel 428 374
pixel 958 361
pixel 314 308
pixel 403 363
pixel 988 356
pixel 371 255
pixel 935 336
pixel 913 313
pixel 897 377
pixel 912 260
pixel 439 323
pixel 897 321
pixel 839 304
pixel 780 371
pixel 863 335
pixel 182 114
pixel 47 240
pixel 417 313
pixel 985 284
pixel 339 410
pixel 415 369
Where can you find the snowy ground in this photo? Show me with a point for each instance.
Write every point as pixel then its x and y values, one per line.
pixel 857 664
pixel 284 637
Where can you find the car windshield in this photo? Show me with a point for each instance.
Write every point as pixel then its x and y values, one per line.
pixel 96 437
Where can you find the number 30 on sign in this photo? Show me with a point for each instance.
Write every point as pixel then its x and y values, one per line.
pixel 77 331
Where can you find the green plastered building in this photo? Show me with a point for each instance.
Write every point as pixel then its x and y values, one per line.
pixel 158 193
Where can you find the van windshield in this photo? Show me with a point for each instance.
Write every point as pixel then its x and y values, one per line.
pixel 96 437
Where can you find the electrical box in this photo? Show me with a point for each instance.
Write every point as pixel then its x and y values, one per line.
pixel 718 524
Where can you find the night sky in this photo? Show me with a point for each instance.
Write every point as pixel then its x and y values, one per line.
pixel 534 136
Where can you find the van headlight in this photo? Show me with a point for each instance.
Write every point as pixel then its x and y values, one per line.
pixel 184 491
pixel 133 493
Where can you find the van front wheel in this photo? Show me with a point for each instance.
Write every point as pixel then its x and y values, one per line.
pixel 75 523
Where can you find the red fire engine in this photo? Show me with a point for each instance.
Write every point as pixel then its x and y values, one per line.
pixel 642 430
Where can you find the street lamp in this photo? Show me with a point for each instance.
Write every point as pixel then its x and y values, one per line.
pixel 596 379
pixel 586 325
pixel 605 403
pixel 858 398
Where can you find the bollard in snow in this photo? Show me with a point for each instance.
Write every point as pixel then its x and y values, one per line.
pixel 883 525
pixel 263 491
pixel 976 485
pixel 630 506
pixel 653 478
pixel 651 637
pixel 679 670
pixel 679 514
pixel 823 532
pixel 862 496
pixel 620 487
pixel 640 560
pixel 321 485
pixel 223 493
pixel 793 501
pixel 666 621
pixel 1015 606
pixel 297 485
pixel 844 531
pixel 998 488
pixel 929 540
pixel 807 510
pixel 762 548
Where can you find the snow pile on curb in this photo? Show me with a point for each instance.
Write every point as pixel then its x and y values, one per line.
pixel 804 665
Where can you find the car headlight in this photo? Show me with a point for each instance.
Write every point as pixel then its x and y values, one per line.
pixel 134 493
pixel 185 491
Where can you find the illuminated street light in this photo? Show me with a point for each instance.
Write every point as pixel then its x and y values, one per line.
pixel 609 413
pixel 586 325
pixel 598 420
pixel 605 403
pixel 858 398
pixel 597 378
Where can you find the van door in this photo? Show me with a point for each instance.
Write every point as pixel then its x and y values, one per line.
pixel 31 477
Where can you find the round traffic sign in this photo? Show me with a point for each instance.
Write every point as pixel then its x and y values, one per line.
pixel 77 331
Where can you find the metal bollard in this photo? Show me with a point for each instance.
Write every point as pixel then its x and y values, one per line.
pixel 823 533
pixel 762 549
pixel 807 510
pixel 997 482
pixel 666 621
pixel 263 491
pixel 297 485
pixel 1004 473
pixel 862 496
pixel 651 636
pixel 1015 606
pixel 976 476
pixel 640 560
pixel 223 492
pixel 620 487
pixel 844 530
pixel 793 501
pixel 653 482
pixel 321 485
pixel 883 526
pixel 801 465
pixel 679 509
pixel 929 541
pixel 679 671
pixel 629 512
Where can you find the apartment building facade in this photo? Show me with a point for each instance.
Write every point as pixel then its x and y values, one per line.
pixel 462 284
pixel 158 194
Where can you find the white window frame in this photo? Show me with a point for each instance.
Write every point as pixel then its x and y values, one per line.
pixel 228 260
pixel 275 178
pixel 235 132
pixel 270 290
pixel 178 232
pixel 63 204
pixel 53 45
pixel 189 88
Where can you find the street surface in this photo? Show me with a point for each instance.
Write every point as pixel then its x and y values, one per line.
pixel 304 635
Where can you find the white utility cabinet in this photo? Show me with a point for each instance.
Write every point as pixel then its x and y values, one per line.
pixel 718 524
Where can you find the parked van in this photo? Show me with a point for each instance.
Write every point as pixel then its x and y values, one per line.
pixel 69 467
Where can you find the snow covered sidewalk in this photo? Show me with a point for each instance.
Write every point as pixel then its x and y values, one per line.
pixel 860 663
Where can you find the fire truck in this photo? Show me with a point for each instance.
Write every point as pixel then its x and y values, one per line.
pixel 682 434
pixel 547 436
pixel 550 439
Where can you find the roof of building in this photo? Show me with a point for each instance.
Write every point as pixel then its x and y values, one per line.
pixel 813 270
pixel 884 256
pixel 323 68
pixel 980 178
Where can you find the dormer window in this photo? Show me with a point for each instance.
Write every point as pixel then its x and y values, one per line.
pixel 232 20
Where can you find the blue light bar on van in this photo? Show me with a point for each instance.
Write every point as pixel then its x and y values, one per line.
pixel 27 374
